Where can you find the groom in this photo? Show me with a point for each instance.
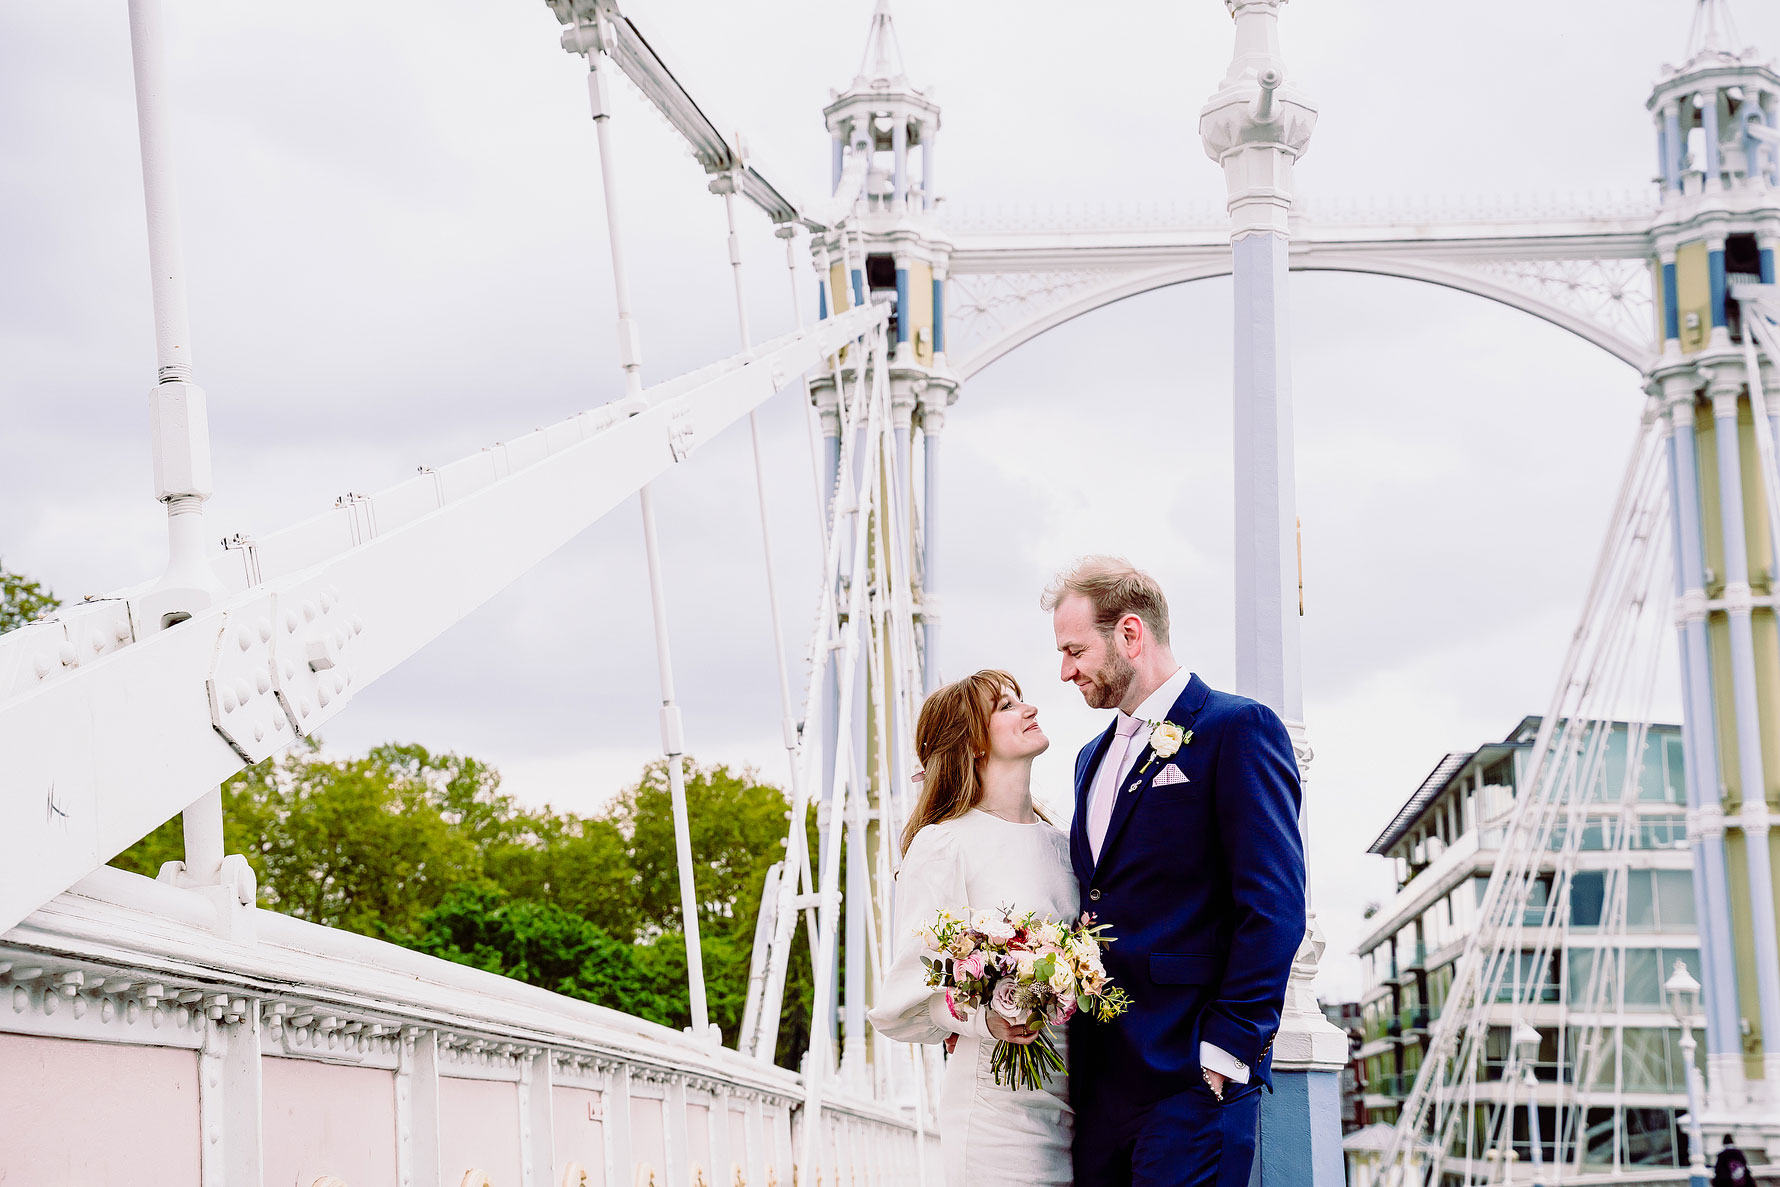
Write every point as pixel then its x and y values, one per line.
pixel 1185 841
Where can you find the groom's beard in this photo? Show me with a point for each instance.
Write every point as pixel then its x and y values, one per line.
pixel 1107 687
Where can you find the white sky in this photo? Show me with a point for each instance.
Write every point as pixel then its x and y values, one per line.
pixel 397 254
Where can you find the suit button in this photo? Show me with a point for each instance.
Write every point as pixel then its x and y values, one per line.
pixel 1094 895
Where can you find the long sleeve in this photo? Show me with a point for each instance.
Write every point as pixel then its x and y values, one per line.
pixel 1258 805
pixel 931 879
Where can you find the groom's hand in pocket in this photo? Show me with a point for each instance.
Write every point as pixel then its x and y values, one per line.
pixel 1007 1032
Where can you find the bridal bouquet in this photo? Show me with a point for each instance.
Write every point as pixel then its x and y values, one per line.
pixel 1031 970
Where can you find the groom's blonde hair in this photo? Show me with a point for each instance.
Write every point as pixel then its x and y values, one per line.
pixel 1114 587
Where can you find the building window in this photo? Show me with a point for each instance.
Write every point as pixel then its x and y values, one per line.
pixel 1662 778
pixel 1661 832
pixel 1598 1135
pixel 1593 1052
pixel 1653 1060
pixel 1650 1137
pixel 1588 892
pixel 1659 900
pixel 1647 968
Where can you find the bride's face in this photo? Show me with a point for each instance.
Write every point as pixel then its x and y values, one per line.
pixel 1013 729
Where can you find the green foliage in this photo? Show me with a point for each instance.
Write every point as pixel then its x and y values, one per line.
pixel 425 850
pixel 737 826
pixel 22 599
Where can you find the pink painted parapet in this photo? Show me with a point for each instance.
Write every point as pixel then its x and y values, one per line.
pixel 325 1119
pixel 75 1112
pixel 578 1116
pixel 142 1047
pixel 479 1129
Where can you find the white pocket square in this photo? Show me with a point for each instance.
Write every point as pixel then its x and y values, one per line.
pixel 1168 776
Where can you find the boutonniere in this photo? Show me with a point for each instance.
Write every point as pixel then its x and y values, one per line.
pixel 1166 739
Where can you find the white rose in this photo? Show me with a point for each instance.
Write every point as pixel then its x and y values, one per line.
pixel 1166 739
pixel 996 928
pixel 1023 962
pixel 1062 980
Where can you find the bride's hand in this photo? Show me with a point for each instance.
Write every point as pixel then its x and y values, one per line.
pixel 1007 1032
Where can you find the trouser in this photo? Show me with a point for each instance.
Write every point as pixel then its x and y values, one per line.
pixel 1190 1139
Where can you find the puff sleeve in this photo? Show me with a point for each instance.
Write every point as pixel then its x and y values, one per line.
pixel 931 879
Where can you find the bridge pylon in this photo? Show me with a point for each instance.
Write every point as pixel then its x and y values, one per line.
pixel 882 245
pixel 1716 232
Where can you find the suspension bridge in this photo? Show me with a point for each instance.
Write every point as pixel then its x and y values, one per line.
pixel 225 1044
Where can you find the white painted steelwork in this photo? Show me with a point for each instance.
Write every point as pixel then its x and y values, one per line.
pixel 284 629
pixel 78 733
pixel 1578 268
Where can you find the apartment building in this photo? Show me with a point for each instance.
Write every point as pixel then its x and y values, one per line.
pixel 1443 845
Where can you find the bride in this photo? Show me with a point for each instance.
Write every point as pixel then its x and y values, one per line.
pixel 976 842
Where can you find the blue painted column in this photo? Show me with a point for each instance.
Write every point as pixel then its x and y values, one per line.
pixel 1770 109
pixel 1267 635
pixel 1256 126
pixel 902 307
pixel 939 314
pixel 1699 742
pixel 1706 820
pixel 1672 145
pixel 1768 247
pixel 1671 307
pixel 1739 610
pixel 1664 162
pixel 933 420
pixel 1714 157
pixel 1720 293
pixel 899 150
pixel 928 150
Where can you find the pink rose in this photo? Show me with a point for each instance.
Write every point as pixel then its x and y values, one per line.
pixel 952 1006
pixel 1006 1001
pixel 1062 1011
pixel 971 966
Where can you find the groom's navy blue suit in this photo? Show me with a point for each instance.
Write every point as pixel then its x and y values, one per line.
pixel 1202 884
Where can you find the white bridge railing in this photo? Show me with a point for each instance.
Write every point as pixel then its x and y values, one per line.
pixel 135 1037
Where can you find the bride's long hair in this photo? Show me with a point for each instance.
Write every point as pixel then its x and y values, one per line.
pixel 952 742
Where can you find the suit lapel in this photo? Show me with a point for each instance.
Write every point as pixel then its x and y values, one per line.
pixel 1081 856
pixel 1190 701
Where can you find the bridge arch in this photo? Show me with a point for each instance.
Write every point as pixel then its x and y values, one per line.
pixel 1633 354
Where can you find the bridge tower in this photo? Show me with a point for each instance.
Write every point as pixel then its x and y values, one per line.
pixel 883 245
pixel 1717 226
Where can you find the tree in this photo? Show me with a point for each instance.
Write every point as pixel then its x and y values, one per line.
pixel 361 844
pixel 22 600
pixel 738 830
pixel 545 945
pixel 425 850
pixel 580 863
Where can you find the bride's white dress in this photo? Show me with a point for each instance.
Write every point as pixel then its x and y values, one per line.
pixel 989 1134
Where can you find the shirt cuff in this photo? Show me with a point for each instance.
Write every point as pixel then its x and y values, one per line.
pixel 1216 1059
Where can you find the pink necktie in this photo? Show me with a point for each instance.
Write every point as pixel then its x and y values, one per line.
pixel 1105 792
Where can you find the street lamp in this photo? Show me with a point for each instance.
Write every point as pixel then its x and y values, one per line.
pixel 1526 1046
pixel 1684 994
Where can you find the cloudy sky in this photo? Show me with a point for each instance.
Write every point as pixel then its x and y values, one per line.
pixel 397 254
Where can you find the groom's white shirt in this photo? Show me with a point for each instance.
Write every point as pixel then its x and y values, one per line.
pixel 1155 709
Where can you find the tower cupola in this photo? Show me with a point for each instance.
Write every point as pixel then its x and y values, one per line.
pixel 1717 119
pixel 881 119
